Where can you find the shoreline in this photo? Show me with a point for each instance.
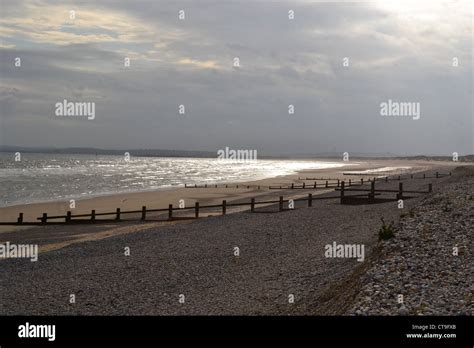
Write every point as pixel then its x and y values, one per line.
pixel 81 197
pixel 161 198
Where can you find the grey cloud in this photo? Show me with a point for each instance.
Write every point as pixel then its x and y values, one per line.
pixel 283 63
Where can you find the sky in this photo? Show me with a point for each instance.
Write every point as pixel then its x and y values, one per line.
pixel 335 62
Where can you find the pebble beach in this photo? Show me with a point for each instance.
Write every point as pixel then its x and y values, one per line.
pixel 263 263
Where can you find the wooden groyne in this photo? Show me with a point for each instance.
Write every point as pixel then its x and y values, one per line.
pixel 196 210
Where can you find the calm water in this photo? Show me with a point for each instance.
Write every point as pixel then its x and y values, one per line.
pixel 50 177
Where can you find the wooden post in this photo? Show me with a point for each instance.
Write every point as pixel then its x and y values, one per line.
pixel 68 217
pixel 170 212
pixel 215 186
pixel 326 183
pixel 437 175
pixel 20 218
pixel 292 186
pixel 252 205
pixel 337 182
pixel 304 184
pixel 424 176
pixel 281 203
pixel 400 190
pixel 399 178
pixel 411 176
pixel 117 214
pixel 258 188
pixel 195 185
pixel 430 187
pixel 310 200
pixel 92 215
pixel 350 182
pixel 315 184
pixel 372 191
pixel 224 207
pixel 342 192
pixel 143 213
pixel 386 179
pixel 205 185
pixel 196 209
pixel 362 181
pixel 44 219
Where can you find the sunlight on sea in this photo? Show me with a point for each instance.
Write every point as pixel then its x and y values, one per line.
pixel 51 177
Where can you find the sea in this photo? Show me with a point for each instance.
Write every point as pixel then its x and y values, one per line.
pixel 48 177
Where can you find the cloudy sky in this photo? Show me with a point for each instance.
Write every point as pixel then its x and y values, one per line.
pixel 403 51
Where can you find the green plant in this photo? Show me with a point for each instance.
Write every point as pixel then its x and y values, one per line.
pixel 387 231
